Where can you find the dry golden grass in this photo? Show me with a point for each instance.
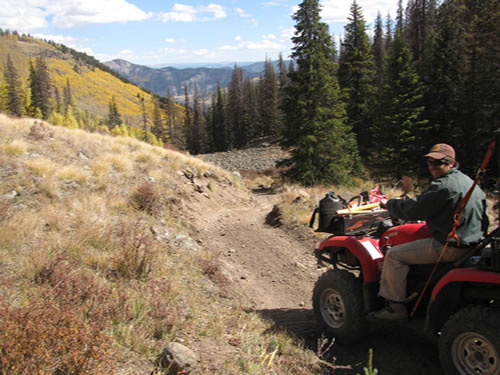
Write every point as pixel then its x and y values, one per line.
pixel 83 273
pixel 14 148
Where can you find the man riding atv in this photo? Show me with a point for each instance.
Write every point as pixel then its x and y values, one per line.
pixel 436 206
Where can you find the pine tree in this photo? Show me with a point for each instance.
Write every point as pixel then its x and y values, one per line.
pixel 235 109
pixel 145 121
pixel 188 121
pixel 67 96
pixel 283 73
pixel 57 101
pixel 400 18
pixel 270 112
pixel 198 133
pixel 41 89
pixel 220 133
pixel 114 117
pixel 401 132
pixel 419 27
pixel 378 50
pixel 357 77
pixel 389 32
pixel 322 146
pixel 158 128
pixel 175 132
pixel 251 116
pixel 14 96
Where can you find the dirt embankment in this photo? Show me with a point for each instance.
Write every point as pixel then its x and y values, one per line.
pixel 274 270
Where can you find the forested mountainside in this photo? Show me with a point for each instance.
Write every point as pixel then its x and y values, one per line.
pixel 169 81
pixel 42 79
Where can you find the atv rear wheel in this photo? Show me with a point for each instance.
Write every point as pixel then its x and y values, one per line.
pixel 338 305
pixel 470 342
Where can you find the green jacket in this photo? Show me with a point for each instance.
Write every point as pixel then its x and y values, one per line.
pixel 437 206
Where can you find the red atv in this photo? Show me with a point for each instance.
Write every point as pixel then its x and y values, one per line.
pixel 459 305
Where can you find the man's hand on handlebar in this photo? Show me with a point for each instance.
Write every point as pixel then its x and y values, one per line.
pixel 383 203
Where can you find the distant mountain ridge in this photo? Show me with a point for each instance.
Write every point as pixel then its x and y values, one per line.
pixel 160 80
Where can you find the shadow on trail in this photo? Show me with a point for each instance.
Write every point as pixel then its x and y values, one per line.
pixel 396 350
pixel 263 190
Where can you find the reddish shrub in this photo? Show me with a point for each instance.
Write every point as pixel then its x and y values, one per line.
pixel 147 198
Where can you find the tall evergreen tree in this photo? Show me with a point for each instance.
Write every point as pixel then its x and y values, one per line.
pixel 283 73
pixel 41 88
pixel 419 27
pixel 236 108
pixel 220 132
pixel 158 128
pixel 198 136
pixel 174 126
pixel 67 96
pixel 322 146
pixel 378 50
pixel 14 96
pixel 188 120
pixel 400 18
pixel 57 101
pixel 389 32
pixel 270 111
pixel 145 121
pixel 114 117
pixel 401 132
pixel 357 77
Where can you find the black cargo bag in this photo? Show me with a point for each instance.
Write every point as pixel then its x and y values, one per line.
pixel 327 210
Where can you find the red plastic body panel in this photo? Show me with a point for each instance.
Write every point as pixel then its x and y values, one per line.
pixel 470 275
pixel 405 233
pixel 365 249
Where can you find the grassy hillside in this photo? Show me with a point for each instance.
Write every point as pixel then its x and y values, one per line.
pixel 92 88
pixel 94 280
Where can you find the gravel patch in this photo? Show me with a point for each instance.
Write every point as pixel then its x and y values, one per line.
pixel 251 159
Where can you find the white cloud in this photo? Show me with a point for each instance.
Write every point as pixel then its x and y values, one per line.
pixel 125 52
pixel 276 3
pixel 334 11
pixel 201 52
pixel 21 16
pixel 26 15
pixel 189 13
pixel 265 44
pixel 228 47
pixel 242 13
pixel 238 38
pixel 170 40
pixel 269 36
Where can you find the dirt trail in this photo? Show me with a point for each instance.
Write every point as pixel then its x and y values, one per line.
pixel 274 270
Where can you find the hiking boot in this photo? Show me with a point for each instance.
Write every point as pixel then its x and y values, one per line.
pixel 392 312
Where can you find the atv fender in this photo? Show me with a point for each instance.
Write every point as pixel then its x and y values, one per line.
pixel 365 249
pixel 459 287
pixel 400 234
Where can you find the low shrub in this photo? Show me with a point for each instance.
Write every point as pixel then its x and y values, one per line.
pixel 136 252
pixel 147 198
pixel 61 329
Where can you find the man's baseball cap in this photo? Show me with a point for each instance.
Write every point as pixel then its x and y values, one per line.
pixel 440 151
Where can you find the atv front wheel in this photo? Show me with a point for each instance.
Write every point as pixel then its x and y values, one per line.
pixel 470 342
pixel 338 305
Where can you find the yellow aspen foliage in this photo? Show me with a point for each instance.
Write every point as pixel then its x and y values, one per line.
pixel 69 119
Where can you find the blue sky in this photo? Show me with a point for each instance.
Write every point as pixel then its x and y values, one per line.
pixel 149 32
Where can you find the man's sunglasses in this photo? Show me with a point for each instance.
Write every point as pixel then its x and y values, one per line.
pixel 436 163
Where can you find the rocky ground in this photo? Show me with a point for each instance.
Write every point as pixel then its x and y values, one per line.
pixel 260 158
pixel 274 270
